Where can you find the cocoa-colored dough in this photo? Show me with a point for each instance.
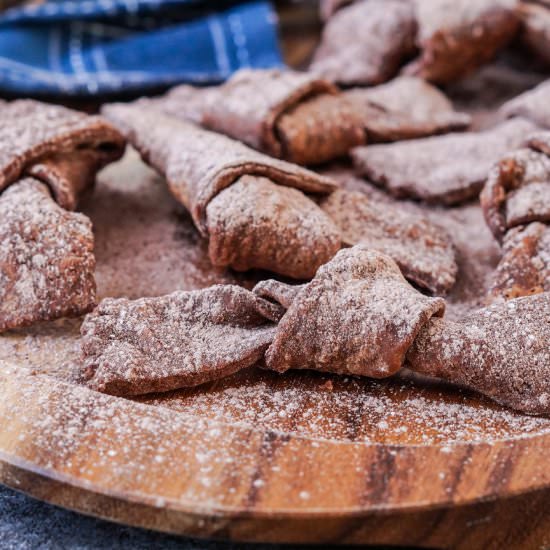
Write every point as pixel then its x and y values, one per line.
pixel 517 191
pixel 423 251
pixel 257 223
pixel 328 7
pixel 366 43
pixel 516 206
pixel 199 165
pixel 455 37
pixel 443 169
pixel 405 108
pixel 535 28
pixel 249 104
pixel 540 141
pixel 533 104
pixel 524 268
pixel 357 316
pixel 62 147
pixel 286 114
pixel 319 129
pixel 501 351
pixel 131 347
pixel 46 258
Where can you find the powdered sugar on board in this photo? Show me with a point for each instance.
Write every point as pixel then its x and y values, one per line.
pixel 398 411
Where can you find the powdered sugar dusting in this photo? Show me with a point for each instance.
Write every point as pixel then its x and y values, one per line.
pixel 388 411
pixel 146 246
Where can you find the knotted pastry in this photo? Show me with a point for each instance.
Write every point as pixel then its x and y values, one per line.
pixel 46 253
pixel 533 104
pixel 443 169
pixel 46 258
pixel 61 147
pixel 455 37
pixel 286 114
pixel 516 205
pixel 307 121
pixel 358 316
pixel 423 251
pixel 405 108
pixel 148 345
pixel 366 43
pixel 249 205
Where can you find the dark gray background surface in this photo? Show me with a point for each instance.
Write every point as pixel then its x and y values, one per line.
pixel 27 524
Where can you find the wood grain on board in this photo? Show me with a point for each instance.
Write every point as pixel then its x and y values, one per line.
pixel 260 456
pixel 302 457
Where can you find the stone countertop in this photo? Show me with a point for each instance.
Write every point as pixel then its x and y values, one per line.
pixel 28 524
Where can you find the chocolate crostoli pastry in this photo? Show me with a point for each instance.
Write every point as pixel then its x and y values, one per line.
pixel 59 146
pixel 405 108
pixel 46 258
pixel 524 268
pixel 533 104
pixel 357 316
pixel 46 253
pixel 286 114
pixel 443 169
pixel 348 321
pixel 517 191
pixel 501 351
pixel 131 347
pixel 456 37
pixel 366 43
pixel 516 205
pixel 423 251
pixel 243 231
pixel 201 169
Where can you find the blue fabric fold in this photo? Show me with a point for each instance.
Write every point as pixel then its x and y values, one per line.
pixel 89 47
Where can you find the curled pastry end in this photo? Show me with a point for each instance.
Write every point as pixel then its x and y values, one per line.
pixel 500 351
pixel 256 223
pixel 133 347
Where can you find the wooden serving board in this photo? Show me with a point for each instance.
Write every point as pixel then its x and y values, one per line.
pixel 300 457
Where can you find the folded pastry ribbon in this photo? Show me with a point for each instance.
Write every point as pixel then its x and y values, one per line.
pixel 516 205
pixel 255 214
pixel 370 41
pixel 358 316
pixel 59 146
pixel 304 119
pixel 252 207
pixel 49 155
pixel 445 169
pixel 286 114
pixel 366 43
pixel 532 104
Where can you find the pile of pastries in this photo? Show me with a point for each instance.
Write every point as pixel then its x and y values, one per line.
pixel 357 284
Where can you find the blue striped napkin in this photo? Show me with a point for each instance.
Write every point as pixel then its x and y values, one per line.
pixel 90 47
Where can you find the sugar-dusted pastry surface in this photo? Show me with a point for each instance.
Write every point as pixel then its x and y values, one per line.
pixel 146 245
